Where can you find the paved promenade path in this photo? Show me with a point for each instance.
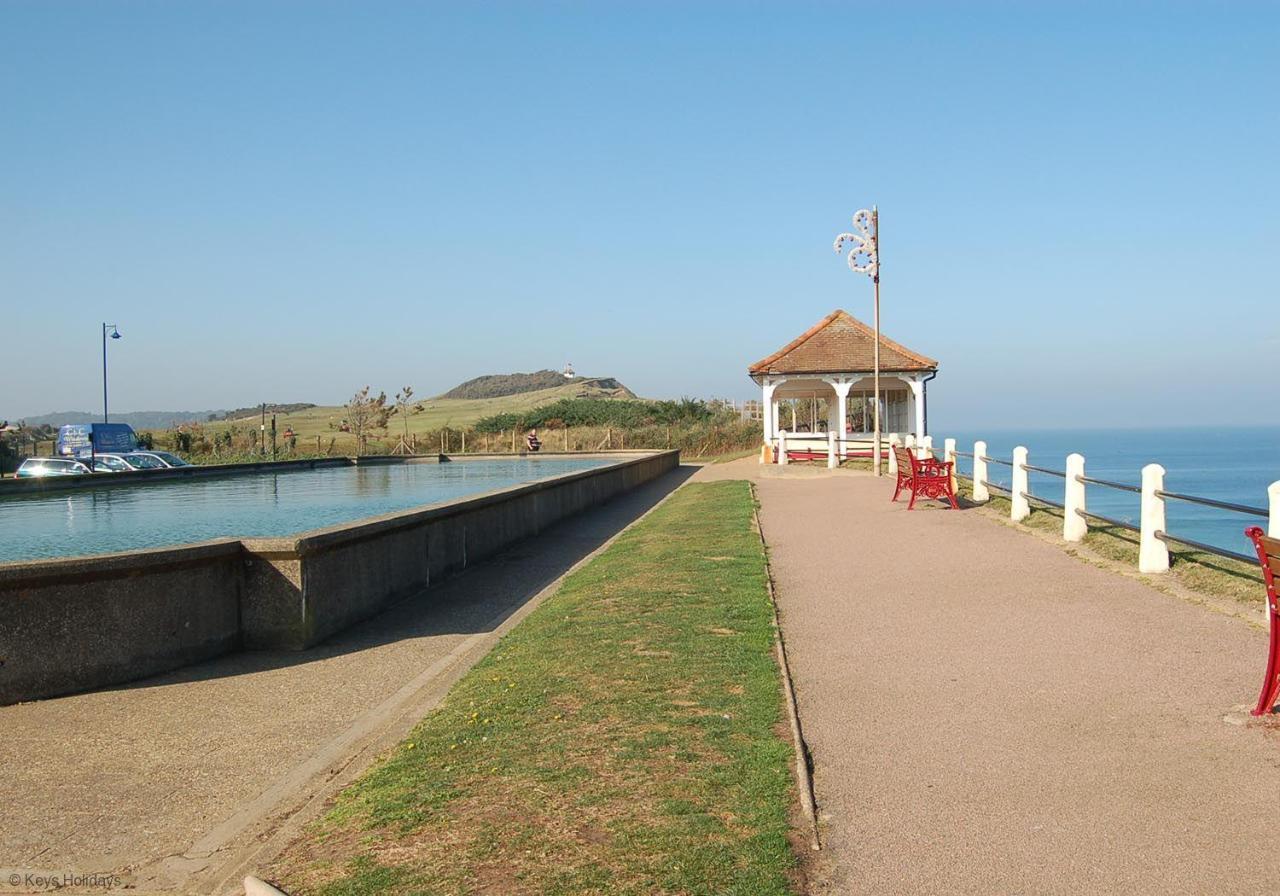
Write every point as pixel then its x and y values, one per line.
pixel 184 782
pixel 1006 719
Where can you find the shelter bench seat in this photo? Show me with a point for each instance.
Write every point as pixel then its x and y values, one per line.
pixel 924 477
pixel 1269 557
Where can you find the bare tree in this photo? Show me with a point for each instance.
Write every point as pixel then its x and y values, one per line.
pixel 405 408
pixel 365 414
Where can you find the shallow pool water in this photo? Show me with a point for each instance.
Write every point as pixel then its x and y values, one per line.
pixel 156 514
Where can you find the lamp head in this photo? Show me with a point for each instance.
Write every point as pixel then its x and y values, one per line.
pixel 115 333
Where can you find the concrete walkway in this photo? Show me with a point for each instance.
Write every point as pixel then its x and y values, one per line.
pixel 989 715
pixel 185 782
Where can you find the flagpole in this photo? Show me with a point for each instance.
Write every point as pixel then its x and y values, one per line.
pixel 875 240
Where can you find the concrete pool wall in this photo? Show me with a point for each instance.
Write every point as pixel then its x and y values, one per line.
pixel 76 624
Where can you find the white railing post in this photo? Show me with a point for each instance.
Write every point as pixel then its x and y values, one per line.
pixel 782 447
pixel 1153 554
pixel 949 457
pixel 980 493
pixel 1019 506
pixel 831 450
pixel 894 439
pixel 1273 498
pixel 1074 526
pixel 926 448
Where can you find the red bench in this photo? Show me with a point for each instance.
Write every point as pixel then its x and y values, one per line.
pixel 1269 556
pixel 923 477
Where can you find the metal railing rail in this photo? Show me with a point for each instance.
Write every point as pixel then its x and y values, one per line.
pixel 1210 502
pixel 1208 548
pixel 1057 473
pixel 1031 497
pixel 996 460
pixel 1109 484
pixel 1090 515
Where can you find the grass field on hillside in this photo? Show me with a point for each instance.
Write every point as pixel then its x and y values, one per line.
pixel 623 739
pixel 437 413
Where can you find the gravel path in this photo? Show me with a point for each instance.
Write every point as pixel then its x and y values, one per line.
pixel 987 714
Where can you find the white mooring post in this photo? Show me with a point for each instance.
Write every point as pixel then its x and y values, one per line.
pixel 894 439
pixel 1074 526
pixel 782 446
pixel 1273 498
pixel 926 448
pixel 949 457
pixel 1153 554
pixel 832 463
pixel 1019 506
pixel 980 493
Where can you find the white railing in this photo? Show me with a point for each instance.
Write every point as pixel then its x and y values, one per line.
pixel 1153 537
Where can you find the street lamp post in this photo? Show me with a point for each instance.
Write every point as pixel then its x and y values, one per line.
pixel 115 334
pixel 864 258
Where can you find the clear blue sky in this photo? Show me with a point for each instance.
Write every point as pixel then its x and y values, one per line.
pixel 285 201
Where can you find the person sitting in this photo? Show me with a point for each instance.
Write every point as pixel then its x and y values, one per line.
pixel 532 440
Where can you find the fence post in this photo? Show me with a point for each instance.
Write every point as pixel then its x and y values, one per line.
pixel 949 457
pixel 926 448
pixel 831 450
pixel 1153 554
pixel 1273 521
pixel 1074 526
pixel 980 493
pixel 566 438
pixel 782 447
pixel 1019 506
pixel 894 439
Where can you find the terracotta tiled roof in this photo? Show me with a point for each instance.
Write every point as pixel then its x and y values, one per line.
pixel 840 343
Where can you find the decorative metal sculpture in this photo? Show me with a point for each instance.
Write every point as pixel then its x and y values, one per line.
pixel 863 258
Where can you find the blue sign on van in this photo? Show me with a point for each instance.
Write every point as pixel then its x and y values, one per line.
pixel 86 439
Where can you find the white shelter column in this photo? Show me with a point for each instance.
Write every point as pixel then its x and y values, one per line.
pixel 768 413
pixel 767 388
pixel 917 405
pixel 841 385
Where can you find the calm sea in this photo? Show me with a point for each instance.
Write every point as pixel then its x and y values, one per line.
pixel 1234 464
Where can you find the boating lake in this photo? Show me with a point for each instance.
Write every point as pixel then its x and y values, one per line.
pixel 130 516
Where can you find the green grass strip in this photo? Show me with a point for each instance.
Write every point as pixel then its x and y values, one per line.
pixel 627 737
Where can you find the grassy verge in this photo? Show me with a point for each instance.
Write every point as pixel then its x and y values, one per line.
pixel 624 738
pixel 723 458
pixel 1197 571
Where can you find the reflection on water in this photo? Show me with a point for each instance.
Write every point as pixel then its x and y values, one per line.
pixel 147 515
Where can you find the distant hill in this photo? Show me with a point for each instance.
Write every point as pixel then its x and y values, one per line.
pixel 160 419
pixel 502 384
pixel 136 419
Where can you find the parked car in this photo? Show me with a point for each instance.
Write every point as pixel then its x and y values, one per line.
pixel 165 457
pixel 110 463
pixel 133 461
pixel 37 467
